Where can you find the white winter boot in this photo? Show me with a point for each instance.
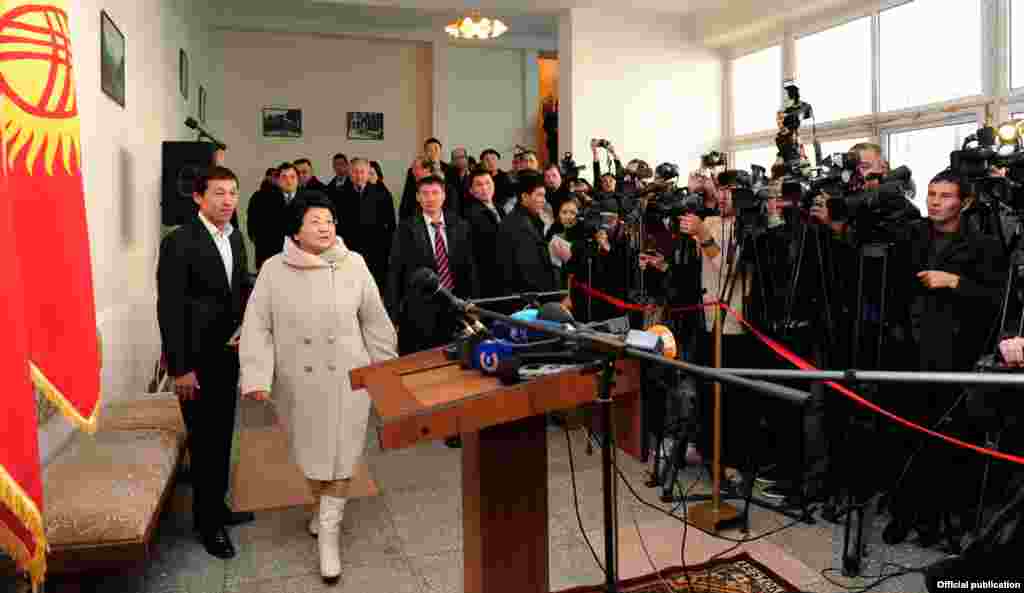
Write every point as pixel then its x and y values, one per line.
pixel 314 521
pixel 331 512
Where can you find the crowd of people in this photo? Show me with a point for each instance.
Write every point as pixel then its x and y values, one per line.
pixel 334 292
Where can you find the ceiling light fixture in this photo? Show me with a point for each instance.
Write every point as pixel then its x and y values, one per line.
pixel 472 26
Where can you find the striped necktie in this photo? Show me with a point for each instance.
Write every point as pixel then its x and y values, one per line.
pixel 441 257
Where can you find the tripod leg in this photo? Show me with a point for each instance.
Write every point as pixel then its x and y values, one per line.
pixel 992 442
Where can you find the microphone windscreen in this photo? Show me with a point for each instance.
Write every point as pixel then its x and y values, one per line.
pixel 489 354
pixel 668 340
pixel 424 282
pixel 554 312
pixel 643 340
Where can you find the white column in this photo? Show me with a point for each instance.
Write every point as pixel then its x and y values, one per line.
pixel 566 94
pixel 440 89
pixel 531 99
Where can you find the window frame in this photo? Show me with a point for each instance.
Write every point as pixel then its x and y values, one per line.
pixel 730 71
pixel 879 125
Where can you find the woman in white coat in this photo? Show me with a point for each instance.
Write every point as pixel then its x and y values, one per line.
pixel 314 315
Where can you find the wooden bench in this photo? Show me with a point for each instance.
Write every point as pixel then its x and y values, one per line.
pixel 104 493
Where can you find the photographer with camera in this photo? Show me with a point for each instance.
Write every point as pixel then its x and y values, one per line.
pixel 871 168
pixel 599 256
pixel 616 174
pixel 954 280
pixel 726 277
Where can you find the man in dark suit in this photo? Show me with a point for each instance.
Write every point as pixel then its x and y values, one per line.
pixel 307 180
pixel 433 239
pixel 484 221
pixel 523 255
pixel 340 180
pixel 503 186
pixel 424 167
pixel 367 220
pixel 458 178
pixel 202 284
pixel 266 214
pixel 430 160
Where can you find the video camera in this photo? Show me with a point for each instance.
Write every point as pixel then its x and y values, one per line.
pixel 832 177
pixel 993 149
pixel 602 143
pixel 713 159
pixel 788 139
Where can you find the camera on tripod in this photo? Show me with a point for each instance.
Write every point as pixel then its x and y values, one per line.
pixel 713 159
pixel 787 141
pixel 992 150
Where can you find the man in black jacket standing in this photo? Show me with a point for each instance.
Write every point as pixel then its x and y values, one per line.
pixel 266 214
pixel 202 284
pixel 524 259
pixel 433 238
pixel 367 220
pixel 956 283
pixel 484 221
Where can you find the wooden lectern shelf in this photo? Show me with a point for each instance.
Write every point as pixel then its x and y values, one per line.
pixel 424 396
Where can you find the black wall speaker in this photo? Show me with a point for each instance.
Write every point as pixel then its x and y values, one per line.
pixel 182 163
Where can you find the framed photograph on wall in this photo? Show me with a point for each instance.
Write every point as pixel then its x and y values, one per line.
pixel 365 125
pixel 111 59
pixel 282 122
pixel 183 73
pixel 202 104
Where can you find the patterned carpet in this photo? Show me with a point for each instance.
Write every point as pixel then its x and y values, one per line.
pixel 736 574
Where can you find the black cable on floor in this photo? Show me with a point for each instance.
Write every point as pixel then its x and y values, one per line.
pixel 683 520
pixel 576 502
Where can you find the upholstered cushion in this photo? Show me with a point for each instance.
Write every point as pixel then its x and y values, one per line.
pixel 149 412
pixel 106 488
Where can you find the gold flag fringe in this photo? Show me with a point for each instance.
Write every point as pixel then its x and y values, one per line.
pixel 50 391
pixel 24 508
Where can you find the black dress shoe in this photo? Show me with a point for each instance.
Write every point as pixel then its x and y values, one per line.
pixel 218 544
pixel 454 442
pixel 232 519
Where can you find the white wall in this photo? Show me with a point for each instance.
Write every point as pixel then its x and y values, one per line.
pixel 491 102
pixel 121 169
pixel 641 82
pixel 326 77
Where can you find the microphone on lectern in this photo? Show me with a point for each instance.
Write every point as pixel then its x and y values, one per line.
pixel 427 286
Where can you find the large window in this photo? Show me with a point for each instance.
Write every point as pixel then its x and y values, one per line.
pixel 930 51
pixel 834 70
pixel 834 146
pixel 1016 43
pixel 926 152
pixel 764 157
pixel 756 90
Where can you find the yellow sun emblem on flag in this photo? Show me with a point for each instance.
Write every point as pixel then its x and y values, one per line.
pixel 39 110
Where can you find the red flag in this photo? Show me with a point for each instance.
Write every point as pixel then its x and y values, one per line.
pixel 21 490
pixel 44 187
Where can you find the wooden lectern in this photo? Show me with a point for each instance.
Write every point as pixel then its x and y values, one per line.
pixel 424 396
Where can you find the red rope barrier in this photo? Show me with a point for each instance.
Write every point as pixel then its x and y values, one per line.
pixel 800 363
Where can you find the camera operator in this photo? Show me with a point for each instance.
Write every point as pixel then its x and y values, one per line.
pixel 638 173
pixel 726 277
pixel 954 280
pixel 599 258
pixel 871 168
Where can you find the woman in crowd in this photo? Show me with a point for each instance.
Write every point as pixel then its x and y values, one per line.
pixel 314 315
pixel 377 178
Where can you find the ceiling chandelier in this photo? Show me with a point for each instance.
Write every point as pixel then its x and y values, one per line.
pixel 472 26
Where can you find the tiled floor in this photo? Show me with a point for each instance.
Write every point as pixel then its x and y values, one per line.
pixel 409 539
